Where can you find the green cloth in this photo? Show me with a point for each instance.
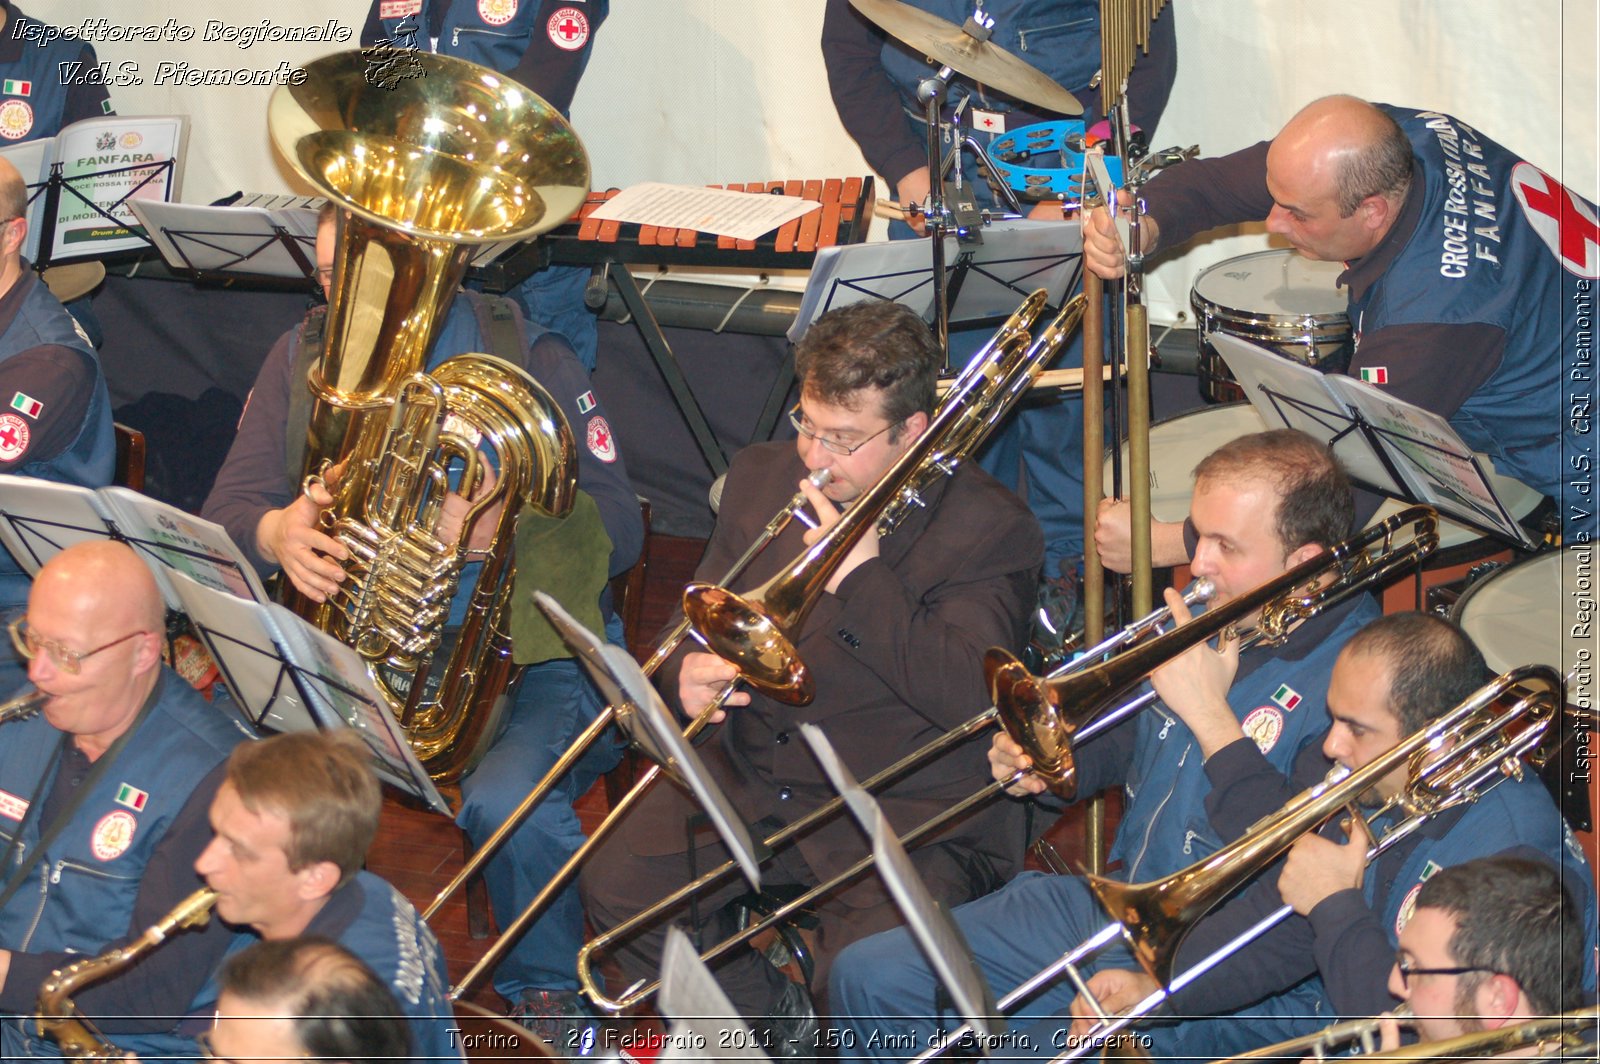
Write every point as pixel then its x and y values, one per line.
pixel 566 558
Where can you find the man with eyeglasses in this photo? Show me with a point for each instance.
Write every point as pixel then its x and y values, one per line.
pixel 55 412
pixel 895 643
pixel 1492 942
pixel 103 801
pixel 257 498
pixel 304 999
pixel 1332 958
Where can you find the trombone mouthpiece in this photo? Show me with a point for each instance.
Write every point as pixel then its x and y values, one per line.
pixel 820 477
pixel 1202 591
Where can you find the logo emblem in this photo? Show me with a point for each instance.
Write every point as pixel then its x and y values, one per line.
pixel 497 12
pixel 113 835
pixel 13 437
pixel 598 437
pixel 1408 908
pixel 568 29
pixel 16 119
pixel 1563 221
pixel 1263 726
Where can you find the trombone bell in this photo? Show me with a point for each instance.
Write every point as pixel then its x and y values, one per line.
pixel 751 639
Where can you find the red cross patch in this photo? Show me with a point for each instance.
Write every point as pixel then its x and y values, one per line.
pixel 568 29
pixel 13 437
pixel 598 437
pixel 1563 221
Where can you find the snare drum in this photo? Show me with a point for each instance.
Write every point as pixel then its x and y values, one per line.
pixel 1279 299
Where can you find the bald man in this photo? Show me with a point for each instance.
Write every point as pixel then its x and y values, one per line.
pixel 55 413
pixel 1470 275
pixel 103 801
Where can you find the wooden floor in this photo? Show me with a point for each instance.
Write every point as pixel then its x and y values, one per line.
pixel 419 851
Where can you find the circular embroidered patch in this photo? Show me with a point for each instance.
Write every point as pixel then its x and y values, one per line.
pixel 1408 908
pixel 497 12
pixel 1565 223
pixel 598 437
pixel 13 437
pixel 568 29
pixel 1264 725
pixel 16 119
pixel 113 835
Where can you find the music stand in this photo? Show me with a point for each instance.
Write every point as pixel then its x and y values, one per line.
pixel 700 1017
pixel 1390 445
pixel 647 722
pixel 929 922
pixel 211 241
pixel 987 280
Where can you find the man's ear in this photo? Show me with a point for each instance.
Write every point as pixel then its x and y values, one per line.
pixel 1498 1000
pixel 317 880
pixel 1303 553
pixel 916 425
pixel 1377 213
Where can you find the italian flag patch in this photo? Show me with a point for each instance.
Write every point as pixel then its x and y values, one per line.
pixel 26 404
pixel 1376 375
pixel 1286 696
pixel 586 402
pixel 132 797
pixel 14 87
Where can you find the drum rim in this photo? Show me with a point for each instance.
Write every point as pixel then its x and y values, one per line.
pixel 1196 298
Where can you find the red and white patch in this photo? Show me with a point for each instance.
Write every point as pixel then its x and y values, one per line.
pixel 1263 726
pixel 1408 908
pixel 568 29
pixel 601 443
pixel 113 835
pixel 14 437
pixel 1563 221
pixel 12 807
pixel 399 8
pixel 16 119
pixel 497 12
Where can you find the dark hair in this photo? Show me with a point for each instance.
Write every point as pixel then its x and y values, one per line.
pixel 1381 167
pixel 1435 665
pixel 1514 917
pixel 340 1009
pixel 1314 500
pixel 322 784
pixel 873 344
pixel 327 214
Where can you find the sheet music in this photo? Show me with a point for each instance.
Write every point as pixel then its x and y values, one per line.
pixel 703 1023
pixel 333 678
pixel 1391 445
pixel 721 211
pixel 1016 257
pixel 107 164
pixel 929 922
pixel 651 725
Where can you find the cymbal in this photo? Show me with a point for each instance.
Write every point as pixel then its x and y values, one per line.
pixel 982 61
pixel 69 282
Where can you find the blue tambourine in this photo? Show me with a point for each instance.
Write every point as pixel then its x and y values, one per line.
pixel 1008 150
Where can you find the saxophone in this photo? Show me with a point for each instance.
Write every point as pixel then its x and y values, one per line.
pixel 58 1018
pixel 423 172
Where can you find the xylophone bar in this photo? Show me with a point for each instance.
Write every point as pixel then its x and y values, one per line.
pixel 843 219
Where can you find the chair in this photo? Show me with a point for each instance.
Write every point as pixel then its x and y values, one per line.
pixel 129 472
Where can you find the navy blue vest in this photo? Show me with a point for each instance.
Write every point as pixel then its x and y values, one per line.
pixel 91 458
pixel 1485 251
pixel 39 111
pixel 467 34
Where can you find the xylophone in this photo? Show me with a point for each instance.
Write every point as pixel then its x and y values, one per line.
pixel 843 219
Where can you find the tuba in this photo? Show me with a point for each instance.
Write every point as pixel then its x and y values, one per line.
pixel 424 171
pixel 55 1015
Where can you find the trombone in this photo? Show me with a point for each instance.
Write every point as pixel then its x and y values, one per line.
pixel 1482 744
pixel 1050 734
pixel 991 383
pixel 1548 1033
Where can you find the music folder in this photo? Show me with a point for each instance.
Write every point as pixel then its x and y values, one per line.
pixel 1386 443
pixel 649 724
pixel 40 518
pixel 1016 257
pixel 929 922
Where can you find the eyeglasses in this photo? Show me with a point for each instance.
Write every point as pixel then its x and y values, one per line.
pixel 1407 971
pixel 68 661
pixel 844 450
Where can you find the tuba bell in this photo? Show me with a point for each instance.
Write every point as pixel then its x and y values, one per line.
pixel 424 171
